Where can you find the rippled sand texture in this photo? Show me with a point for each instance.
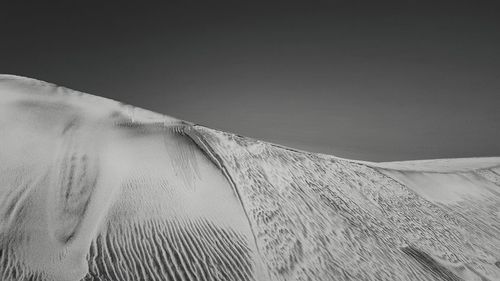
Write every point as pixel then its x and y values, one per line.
pixel 91 189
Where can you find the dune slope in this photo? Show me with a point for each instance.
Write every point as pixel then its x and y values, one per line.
pixel 92 189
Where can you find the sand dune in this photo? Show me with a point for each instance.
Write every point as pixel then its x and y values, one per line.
pixel 92 189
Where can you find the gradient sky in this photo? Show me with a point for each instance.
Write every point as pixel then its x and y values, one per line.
pixel 377 81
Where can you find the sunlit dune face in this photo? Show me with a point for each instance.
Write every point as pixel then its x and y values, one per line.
pixel 86 180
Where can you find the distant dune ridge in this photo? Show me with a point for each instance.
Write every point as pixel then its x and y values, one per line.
pixel 92 189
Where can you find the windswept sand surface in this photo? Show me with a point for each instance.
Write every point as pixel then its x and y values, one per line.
pixel 92 189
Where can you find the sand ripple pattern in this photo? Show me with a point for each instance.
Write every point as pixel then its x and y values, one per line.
pixel 91 189
pixel 169 250
pixel 318 217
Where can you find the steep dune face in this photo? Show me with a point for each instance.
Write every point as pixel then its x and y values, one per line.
pixel 91 189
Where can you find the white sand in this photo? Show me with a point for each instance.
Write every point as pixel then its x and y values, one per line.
pixel 91 188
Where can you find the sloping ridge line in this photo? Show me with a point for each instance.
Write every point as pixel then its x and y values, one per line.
pixel 191 132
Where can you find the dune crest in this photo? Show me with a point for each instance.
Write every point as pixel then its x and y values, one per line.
pixel 92 189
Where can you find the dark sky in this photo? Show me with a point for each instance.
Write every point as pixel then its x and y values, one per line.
pixel 374 81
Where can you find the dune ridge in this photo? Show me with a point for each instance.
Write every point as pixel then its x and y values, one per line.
pixel 93 189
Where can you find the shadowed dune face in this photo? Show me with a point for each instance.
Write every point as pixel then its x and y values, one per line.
pixel 322 218
pixel 91 189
